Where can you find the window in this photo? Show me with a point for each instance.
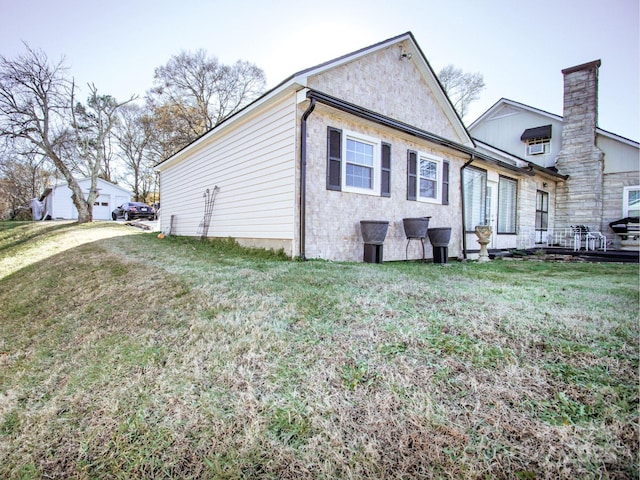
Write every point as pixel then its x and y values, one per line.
pixel 537 140
pixel 361 169
pixel 631 202
pixel 475 194
pixel 507 203
pixel 542 214
pixel 427 178
pixel 357 163
pixel 538 146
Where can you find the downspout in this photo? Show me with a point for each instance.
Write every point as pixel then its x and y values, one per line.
pixel 464 226
pixel 303 177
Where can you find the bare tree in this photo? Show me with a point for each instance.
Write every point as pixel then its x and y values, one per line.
pixel 34 106
pixel 24 174
pixel 193 93
pixel 134 136
pixel 462 88
pixel 93 126
pixel 37 106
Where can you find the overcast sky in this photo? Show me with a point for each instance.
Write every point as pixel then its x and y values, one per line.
pixel 520 47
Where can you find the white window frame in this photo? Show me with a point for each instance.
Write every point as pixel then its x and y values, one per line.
pixel 625 199
pixel 538 141
pixel 376 143
pixel 475 197
pixel 438 180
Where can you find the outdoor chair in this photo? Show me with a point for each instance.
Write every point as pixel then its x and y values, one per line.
pixel 597 241
pixel 590 239
pixel 579 236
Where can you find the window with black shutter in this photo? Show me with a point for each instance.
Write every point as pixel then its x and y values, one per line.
pixel 427 178
pixel 358 163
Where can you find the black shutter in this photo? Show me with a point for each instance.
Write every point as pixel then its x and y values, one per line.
pixel 412 175
pixel 385 177
pixel 334 154
pixel 445 182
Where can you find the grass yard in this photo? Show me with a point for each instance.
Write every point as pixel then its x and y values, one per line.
pixel 126 356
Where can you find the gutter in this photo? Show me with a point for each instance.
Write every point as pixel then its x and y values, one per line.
pixel 548 171
pixel 464 225
pixel 303 177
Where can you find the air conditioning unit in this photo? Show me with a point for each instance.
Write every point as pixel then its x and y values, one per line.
pixel 535 149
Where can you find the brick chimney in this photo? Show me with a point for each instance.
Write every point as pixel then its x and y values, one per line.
pixel 579 199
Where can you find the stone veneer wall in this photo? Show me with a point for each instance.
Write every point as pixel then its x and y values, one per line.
pixel 527 196
pixel 384 83
pixel 614 184
pixel 388 85
pixel 579 200
pixel 333 217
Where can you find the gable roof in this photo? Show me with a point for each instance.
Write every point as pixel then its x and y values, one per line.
pixel 521 106
pixel 299 81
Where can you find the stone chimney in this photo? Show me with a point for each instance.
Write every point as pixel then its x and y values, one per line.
pixel 579 199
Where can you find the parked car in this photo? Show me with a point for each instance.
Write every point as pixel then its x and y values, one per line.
pixel 132 210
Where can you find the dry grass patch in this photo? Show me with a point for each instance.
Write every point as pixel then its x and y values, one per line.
pixel 132 357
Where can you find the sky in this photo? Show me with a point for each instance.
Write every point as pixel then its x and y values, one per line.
pixel 520 47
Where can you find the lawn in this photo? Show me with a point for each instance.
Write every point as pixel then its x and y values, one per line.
pixel 126 356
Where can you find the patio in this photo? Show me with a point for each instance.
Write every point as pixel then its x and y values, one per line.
pixel 579 243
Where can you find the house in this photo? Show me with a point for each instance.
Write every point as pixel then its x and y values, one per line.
pixel 57 204
pixel 599 171
pixel 367 136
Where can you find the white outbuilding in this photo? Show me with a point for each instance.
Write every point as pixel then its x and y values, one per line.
pixel 57 204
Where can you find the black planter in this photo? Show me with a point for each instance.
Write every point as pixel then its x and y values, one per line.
pixel 374 231
pixel 439 237
pixel 416 227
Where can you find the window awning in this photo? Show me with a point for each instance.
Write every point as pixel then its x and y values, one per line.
pixel 537 132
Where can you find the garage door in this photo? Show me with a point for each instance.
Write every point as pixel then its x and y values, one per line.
pixel 102 208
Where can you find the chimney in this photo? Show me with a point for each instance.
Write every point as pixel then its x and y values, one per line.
pixel 579 199
pixel 580 117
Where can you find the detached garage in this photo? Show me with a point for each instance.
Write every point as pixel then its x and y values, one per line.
pixel 57 204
